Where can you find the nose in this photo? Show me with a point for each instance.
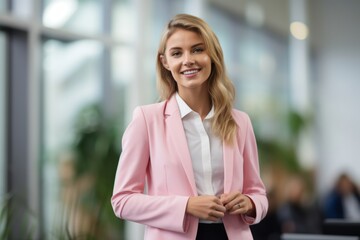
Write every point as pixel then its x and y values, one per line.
pixel 188 60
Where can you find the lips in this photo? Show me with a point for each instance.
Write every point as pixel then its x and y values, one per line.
pixel 190 71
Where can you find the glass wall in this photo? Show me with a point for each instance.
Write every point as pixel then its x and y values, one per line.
pixel 19 8
pixel 83 16
pixel 86 89
pixel 123 72
pixel 257 62
pixel 2 6
pixel 81 82
pixel 22 8
pixel 3 115
pixel 124 22
pixel 67 90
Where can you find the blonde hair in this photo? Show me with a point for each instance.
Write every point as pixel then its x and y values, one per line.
pixel 221 89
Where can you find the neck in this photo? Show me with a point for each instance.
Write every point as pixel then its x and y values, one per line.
pixel 199 102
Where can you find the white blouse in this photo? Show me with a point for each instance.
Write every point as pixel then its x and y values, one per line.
pixel 205 149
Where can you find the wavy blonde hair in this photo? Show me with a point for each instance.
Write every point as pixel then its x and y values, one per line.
pixel 221 89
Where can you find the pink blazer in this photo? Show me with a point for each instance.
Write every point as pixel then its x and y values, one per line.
pixel 155 151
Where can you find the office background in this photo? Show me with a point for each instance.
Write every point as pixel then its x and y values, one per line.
pixel 72 71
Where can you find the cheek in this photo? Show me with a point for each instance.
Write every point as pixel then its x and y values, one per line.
pixel 206 60
pixel 174 70
pixel 174 66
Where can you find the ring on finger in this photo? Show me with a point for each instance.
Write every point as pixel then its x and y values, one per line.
pixel 238 205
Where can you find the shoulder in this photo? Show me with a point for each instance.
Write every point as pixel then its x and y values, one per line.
pixel 239 115
pixel 154 107
pixel 150 111
pixel 241 118
pixel 243 122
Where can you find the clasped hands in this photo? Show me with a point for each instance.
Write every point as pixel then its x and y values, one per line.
pixel 213 208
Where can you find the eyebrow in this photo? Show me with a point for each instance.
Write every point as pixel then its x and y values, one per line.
pixel 195 45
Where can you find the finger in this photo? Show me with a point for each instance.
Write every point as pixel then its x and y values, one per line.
pixel 225 198
pixel 231 204
pixel 217 205
pixel 238 202
pixel 213 219
pixel 214 215
pixel 218 201
pixel 218 211
pixel 217 214
pixel 238 209
pixel 242 207
pixel 220 208
pixel 231 198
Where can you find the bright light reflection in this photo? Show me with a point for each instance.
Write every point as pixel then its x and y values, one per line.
pixel 299 30
pixel 58 12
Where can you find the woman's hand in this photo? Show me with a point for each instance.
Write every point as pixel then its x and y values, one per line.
pixel 206 207
pixel 237 203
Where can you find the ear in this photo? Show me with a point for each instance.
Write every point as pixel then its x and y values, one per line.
pixel 164 62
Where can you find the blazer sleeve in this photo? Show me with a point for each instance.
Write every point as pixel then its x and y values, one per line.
pixel 253 186
pixel 128 200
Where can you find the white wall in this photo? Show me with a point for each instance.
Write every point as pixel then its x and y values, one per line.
pixel 336 35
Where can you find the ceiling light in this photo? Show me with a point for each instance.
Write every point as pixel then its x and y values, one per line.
pixel 58 12
pixel 299 30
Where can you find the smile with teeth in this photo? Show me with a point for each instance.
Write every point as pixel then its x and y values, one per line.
pixel 191 72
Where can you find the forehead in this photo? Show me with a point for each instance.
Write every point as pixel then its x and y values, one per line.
pixel 183 38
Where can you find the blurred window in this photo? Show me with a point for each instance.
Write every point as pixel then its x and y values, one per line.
pixel 2 6
pixel 3 114
pixel 21 8
pixel 124 20
pixel 257 62
pixel 123 66
pixel 83 16
pixel 71 81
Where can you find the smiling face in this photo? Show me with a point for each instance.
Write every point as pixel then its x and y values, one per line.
pixel 187 59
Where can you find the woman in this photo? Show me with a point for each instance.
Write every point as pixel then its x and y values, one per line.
pixel 344 200
pixel 196 155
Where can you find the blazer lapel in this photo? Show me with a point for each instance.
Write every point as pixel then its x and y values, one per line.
pixel 228 166
pixel 178 141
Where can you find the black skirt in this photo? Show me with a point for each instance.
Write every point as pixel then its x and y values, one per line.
pixel 211 231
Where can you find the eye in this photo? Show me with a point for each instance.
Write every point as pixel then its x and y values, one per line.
pixel 175 53
pixel 198 50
